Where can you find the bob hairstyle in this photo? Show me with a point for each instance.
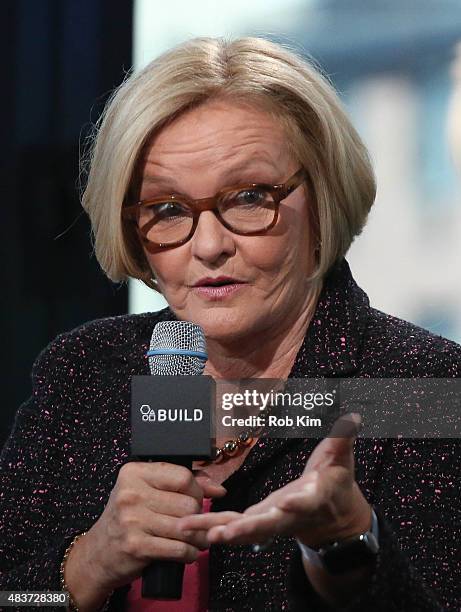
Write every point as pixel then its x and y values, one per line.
pixel 246 70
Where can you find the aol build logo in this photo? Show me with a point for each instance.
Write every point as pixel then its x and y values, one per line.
pixel 170 415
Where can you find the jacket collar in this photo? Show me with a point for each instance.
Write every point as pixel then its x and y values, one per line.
pixel 333 342
pixel 331 349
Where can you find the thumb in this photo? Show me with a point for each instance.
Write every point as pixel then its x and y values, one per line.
pixel 209 487
pixel 338 447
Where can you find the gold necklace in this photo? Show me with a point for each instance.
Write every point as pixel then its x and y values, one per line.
pixel 232 447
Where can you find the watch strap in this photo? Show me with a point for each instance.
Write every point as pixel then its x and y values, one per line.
pixel 314 557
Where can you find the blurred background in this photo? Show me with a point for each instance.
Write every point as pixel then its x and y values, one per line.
pixel 393 63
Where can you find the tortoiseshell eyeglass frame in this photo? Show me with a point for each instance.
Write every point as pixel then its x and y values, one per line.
pixel 278 192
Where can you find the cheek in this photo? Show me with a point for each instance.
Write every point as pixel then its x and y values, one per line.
pixel 169 269
pixel 297 245
pixel 281 255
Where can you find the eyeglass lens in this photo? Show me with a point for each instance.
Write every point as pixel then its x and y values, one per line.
pixel 247 210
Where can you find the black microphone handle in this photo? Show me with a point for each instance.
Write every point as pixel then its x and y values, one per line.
pixel 163 579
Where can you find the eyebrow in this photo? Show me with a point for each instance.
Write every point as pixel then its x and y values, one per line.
pixel 226 177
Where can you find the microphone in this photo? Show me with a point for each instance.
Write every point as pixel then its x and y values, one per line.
pixel 171 418
pixel 177 348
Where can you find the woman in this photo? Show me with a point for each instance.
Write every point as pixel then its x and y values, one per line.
pixel 227 176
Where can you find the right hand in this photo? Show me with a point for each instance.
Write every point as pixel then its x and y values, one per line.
pixel 139 522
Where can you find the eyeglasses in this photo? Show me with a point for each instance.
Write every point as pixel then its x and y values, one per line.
pixel 169 221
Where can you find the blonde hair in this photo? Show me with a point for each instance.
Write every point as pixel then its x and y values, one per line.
pixel 250 70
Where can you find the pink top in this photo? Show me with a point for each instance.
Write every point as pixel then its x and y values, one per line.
pixel 194 593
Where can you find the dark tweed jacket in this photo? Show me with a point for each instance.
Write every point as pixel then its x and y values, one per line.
pixel 71 437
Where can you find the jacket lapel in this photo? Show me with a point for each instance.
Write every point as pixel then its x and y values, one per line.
pixel 331 349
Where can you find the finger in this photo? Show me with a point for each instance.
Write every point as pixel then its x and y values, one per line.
pixel 170 477
pixel 163 526
pixel 209 487
pixel 172 504
pixel 199 539
pixel 273 499
pixel 208 520
pixel 251 529
pixel 156 548
pixel 301 501
pixel 347 426
pixel 338 447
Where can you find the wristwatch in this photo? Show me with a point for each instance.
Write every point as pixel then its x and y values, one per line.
pixel 344 555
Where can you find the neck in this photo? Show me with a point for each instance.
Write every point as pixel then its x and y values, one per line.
pixel 271 358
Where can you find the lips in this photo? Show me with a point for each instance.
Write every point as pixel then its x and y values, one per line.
pixel 217 289
pixel 219 281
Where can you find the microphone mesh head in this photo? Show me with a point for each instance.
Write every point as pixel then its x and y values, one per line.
pixel 177 335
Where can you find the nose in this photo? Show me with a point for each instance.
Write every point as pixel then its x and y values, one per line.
pixel 211 240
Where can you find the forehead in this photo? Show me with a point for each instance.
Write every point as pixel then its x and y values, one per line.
pixel 217 134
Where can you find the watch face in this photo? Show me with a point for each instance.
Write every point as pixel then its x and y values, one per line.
pixel 350 554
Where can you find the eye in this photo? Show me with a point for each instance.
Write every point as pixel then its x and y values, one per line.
pixel 168 210
pixel 250 197
pixel 164 213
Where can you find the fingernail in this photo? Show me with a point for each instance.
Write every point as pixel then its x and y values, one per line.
pixel 223 532
pixel 217 534
pixel 210 481
pixel 357 420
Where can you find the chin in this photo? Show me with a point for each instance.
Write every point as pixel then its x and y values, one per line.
pixel 223 327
